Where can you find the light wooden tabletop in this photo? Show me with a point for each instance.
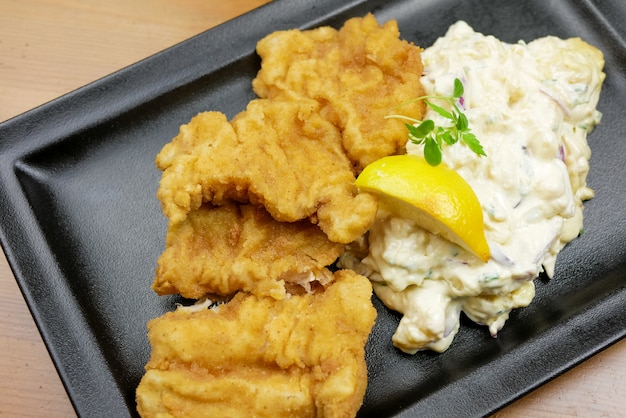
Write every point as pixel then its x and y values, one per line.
pixel 50 47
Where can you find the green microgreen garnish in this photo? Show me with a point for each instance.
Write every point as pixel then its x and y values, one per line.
pixel 433 137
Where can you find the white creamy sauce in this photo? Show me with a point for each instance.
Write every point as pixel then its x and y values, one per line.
pixel 531 106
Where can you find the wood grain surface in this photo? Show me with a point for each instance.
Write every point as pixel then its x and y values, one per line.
pixel 50 47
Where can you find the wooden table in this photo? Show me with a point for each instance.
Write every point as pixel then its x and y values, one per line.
pixel 50 47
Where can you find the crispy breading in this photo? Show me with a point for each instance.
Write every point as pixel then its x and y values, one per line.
pixel 301 356
pixel 280 154
pixel 258 206
pixel 230 248
pixel 359 74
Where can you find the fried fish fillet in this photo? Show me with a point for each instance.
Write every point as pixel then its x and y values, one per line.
pixel 359 74
pixel 258 206
pixel 280 154
pixel 302 356
pixel 230 248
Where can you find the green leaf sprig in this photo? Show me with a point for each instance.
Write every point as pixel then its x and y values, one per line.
pixel 433 137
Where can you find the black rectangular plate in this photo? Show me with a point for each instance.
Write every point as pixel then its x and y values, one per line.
pixel 82 228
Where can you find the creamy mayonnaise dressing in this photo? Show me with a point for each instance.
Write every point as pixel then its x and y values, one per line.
pixel 531 106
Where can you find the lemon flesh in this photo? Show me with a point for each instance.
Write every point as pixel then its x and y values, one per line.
pixel 437 198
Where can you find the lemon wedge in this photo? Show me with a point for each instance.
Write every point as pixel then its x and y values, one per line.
pixel 437 198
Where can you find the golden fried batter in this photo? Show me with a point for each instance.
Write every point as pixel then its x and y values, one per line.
pixel 280 154
pixel 358 74
pixel 258 206
pixel 302 356
pixel 222 250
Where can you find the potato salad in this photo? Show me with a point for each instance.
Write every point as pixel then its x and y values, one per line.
pixel 531 105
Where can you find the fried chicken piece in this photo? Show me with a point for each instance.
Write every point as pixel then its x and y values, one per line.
pixel 359 75
pixel 280 154
pixel 230 248
pixel 301 356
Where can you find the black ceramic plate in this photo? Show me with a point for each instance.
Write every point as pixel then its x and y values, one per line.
pixel 82 228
